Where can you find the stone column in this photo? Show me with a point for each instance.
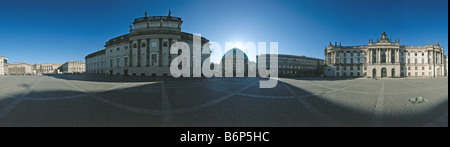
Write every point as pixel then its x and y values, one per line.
pixel 139 53
pixel 334 57
pixel 378 55
pixel 388 56
pixel 442 63
pixel 130 56
pixel 397 56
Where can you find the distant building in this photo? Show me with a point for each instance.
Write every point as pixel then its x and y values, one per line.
pixel 73 67
pixel 19 69
pixel 230 58
pixel 384 58
pixel 295 66
pixel 2 65
pixel 95 62
pixel 47 68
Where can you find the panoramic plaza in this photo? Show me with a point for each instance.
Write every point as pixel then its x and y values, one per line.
pixel 98 100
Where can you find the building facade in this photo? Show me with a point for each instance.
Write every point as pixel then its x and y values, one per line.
pixel 73 67
pixel 19 69
pixel 384 58
pixel 2 66
pixel 47 68
pixel 145 50
pixel 95 62
pixel 295 66
pixel 446 65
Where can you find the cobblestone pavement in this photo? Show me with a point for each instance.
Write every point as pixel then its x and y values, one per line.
pixel 82 100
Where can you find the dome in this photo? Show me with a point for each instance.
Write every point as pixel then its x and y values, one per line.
pixel 234 52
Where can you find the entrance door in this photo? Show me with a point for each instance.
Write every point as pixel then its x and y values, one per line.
pixel 374 73
pixel 393 73
pixel 438 72
pixel 110 72
pixel 125 72
pixel 383 73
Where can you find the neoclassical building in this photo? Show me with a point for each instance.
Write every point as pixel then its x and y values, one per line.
pixel 20 68
pixel 295 66
pixel 384 58
pixel 72 67
pixel 47 68
pixel 145 50
pixel 3 61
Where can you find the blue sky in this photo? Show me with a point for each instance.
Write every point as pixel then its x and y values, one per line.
pixel 57 31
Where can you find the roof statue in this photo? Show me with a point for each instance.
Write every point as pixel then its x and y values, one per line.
pixel 145 13
pixel 383 36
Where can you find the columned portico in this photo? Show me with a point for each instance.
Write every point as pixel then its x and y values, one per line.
pixel 389 59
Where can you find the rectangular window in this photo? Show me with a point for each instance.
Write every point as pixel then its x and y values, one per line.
pixel 154 44
pixel 134 45
pixel 345 68
pixel 351 67
pixel 143 44
pixel 154 59
pixel 423 67
pixel 415 68
pixel 165 44
pixel 337 68
pixel 423 73
pixel 126 47
pixel 429 67
pixel 118 49
pixel 126 61
pixel 358 68
pixel 118 62
pixel 111 63
pixel 409 67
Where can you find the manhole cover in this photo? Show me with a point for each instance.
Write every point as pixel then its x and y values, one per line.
pixel 417 100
